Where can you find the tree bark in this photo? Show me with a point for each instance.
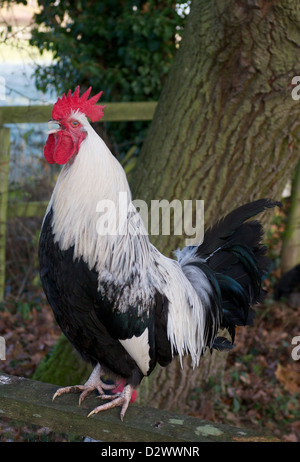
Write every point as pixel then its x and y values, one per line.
pixel 226 130
pixel 63 366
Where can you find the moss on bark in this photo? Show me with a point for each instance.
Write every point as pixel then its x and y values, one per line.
pixel 63 366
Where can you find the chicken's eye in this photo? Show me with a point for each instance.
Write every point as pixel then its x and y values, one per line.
pixel 74 123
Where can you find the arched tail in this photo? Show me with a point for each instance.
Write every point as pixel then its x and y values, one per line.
pixel 234 261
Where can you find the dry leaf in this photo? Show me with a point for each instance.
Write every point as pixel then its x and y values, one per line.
pixel 289 377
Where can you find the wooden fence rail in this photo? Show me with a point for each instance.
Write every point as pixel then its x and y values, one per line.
pixel 31 402
pixel 114 112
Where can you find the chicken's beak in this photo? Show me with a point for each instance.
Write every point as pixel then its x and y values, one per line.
pixel 52 130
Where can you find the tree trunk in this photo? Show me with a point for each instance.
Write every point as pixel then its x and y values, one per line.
pixel 226 130
pixel 63 366
pixel 290 255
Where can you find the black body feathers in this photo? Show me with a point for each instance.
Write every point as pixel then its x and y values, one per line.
pixel 87 318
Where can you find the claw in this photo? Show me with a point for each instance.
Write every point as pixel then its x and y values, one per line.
pixel 72 389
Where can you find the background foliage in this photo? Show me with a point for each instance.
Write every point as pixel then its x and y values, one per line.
pixel 123 47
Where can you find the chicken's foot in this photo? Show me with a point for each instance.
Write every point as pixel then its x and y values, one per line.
pixel 93 383
pixel 121 399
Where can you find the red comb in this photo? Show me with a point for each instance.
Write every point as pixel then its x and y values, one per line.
pixel 66 104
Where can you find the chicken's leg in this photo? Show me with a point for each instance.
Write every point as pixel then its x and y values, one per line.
pixel 93 383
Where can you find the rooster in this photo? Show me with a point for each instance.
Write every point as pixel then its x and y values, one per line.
pixel 122 304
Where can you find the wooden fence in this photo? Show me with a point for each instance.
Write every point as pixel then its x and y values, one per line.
pixel 114 112
pixel 31 402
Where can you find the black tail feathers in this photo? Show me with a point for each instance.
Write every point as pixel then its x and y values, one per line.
pixel 234 260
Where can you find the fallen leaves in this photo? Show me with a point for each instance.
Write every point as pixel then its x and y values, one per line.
pixel 27 340
pixel 262 380
pixel 289 377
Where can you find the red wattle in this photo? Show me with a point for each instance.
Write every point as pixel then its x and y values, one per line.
pixel 65 148
pixel 59 148
pixel 49 149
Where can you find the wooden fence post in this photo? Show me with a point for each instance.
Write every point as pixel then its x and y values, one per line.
pixel 4 171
